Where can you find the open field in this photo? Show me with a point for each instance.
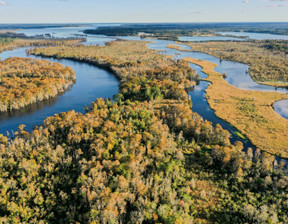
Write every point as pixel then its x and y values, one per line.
pixel 250 112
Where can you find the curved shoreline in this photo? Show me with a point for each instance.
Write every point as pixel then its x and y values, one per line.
pixel 277 84
pixel 94 63
pixel 102 65
pixel 262 122
pixel 91 82
pixel 43 86
pixel 281 86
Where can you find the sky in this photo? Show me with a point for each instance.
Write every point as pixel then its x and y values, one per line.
pixel 134 11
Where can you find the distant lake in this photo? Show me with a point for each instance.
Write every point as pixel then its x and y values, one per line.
pixel 257 36
pixel 208 38
pixel 71 31
pixel 90 78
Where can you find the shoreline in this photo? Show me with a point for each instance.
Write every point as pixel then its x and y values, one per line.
pixel 227 103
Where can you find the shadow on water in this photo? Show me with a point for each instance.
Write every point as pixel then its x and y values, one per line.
pixel 32 108
pixel 92 82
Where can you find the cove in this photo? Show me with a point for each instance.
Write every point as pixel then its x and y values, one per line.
pixel 91 83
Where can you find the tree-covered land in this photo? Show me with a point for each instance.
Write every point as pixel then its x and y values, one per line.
pixel 10 43
pixel 173 31
pixel 143 158
pixel 127 59
pixel 25 81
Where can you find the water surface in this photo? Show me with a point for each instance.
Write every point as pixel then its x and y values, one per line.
pixel 237 72
pixel 91 83
pixel 208 38
pixel 257 36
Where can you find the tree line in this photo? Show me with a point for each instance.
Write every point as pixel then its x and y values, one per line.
pixel 25 81
pixel 143 157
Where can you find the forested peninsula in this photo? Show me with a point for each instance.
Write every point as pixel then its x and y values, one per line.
pixel 144 157
pixel 25 81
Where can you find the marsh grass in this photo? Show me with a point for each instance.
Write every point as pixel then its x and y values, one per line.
pixel 267 66
pixel 250 112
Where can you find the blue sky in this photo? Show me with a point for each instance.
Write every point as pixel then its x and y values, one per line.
pixel 82 11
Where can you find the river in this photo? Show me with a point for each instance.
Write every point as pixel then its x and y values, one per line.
pixel 93 82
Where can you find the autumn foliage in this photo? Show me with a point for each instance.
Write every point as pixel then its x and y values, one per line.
pixel 26 81
pixel 144 157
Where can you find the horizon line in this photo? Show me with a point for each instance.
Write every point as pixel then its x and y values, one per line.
pixel 16 23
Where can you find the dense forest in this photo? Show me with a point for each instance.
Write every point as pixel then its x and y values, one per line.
pixel 119 163
pixel 127 59
pixel 10 43
pixel 276 45
pixel 25 81
pixel 267 60
pixel 173 31
pixel 144 157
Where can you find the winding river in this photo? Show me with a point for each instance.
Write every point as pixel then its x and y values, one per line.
pixel 93 83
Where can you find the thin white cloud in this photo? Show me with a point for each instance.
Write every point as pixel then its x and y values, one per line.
pixel 3 3
pixel 246 1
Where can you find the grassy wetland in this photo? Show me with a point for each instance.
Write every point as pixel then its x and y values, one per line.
pixel 147 134
pixel 145 157
pixel 251 112
pixel 267 60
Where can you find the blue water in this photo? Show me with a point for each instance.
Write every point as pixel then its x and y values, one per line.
pixel 237 73
pixel 257 36
pixel 237 76
pixel 76 32
pixel 281 108
pixel 208 38
pixel 91 83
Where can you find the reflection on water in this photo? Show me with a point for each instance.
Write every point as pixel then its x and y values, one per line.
pixel 281 107
pixel 209 38
pixel 237 73
pixel 87 88
pixel 91 83
pixel 201 106
pixel 28 109
pixel 257 36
